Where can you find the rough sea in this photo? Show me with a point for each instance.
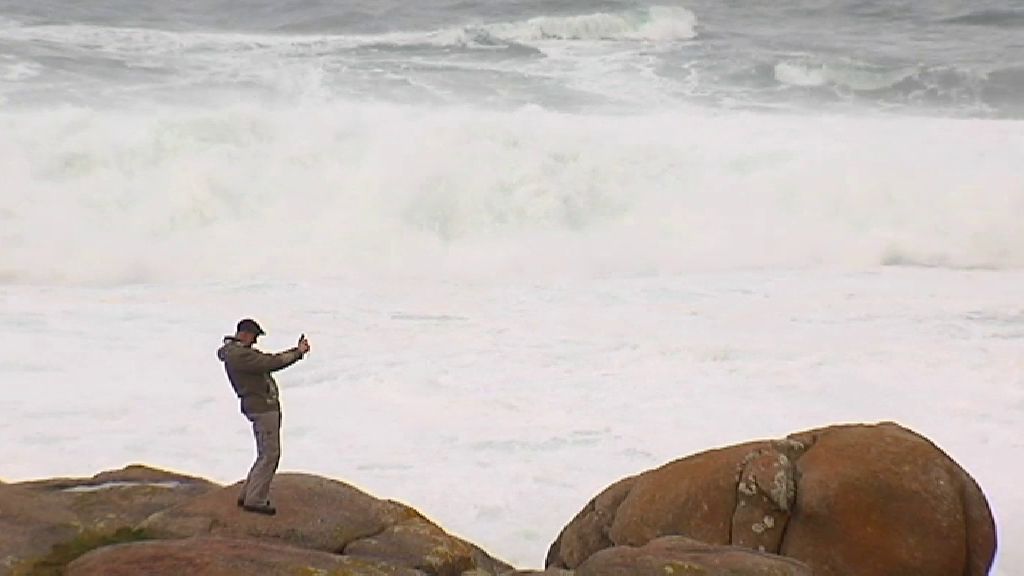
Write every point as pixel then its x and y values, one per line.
pixel 536 246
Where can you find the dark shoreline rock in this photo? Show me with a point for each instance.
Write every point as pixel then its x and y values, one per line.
pixel 850 500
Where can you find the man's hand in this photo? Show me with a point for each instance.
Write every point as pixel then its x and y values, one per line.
pixel 303 344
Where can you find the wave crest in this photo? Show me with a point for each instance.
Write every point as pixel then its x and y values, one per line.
pixel 855 76
pixel 173 194
pixel 653 24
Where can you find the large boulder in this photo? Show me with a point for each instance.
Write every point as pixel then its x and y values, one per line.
pixel 224 557
pixel 322 514
pixel 679 556
pixel 882 500
pixel 693 497
pixel 847 500
pixel 36 516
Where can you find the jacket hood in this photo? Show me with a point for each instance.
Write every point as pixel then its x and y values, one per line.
pixel 222 352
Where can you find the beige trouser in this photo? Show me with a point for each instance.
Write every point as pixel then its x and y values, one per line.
pixel 266 428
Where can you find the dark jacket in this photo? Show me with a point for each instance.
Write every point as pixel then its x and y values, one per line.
pixel 249 372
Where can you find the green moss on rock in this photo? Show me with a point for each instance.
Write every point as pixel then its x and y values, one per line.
pixel 55 563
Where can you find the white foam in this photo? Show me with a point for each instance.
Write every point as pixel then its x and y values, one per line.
pixel 651 24
pixel 14 70
pixel 173 194
pixel 541 394
pixel 660 23
pixel 796 74
pixel 591 54
pixel 852 75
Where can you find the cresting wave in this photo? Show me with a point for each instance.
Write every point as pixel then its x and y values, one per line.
pixel 644 57
pixel 856 76
pixel 385 191
pixel 659 23
pixel 654 23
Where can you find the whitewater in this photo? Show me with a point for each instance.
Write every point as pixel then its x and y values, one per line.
pixel 536 248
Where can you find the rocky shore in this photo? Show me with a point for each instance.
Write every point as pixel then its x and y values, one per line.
pixel 848 500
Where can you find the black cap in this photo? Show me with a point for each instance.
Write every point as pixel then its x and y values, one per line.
pixel 249 325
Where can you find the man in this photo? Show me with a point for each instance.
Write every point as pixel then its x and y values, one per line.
pixel 249 372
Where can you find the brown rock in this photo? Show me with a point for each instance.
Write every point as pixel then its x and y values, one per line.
pixel 312 512
pixel 847 500
pixel 678 556
pixel 37 515
pixel 420 544
pixel 331 516
pixel 588 531
pixel 694 496
pixel 143 473
pixel 224 557
pixel 882 500
pixel 30 524
pixel 122 498
pixel 548 572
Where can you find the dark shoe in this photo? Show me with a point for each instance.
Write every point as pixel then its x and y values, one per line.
pixel 260 509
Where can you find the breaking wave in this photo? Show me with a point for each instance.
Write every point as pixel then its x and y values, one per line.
pixel 860 77
pixel 351 189
pixel 654 24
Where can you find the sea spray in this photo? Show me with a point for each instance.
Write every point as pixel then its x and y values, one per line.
pixel 338 189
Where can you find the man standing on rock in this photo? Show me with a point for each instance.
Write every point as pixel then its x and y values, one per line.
pixel 249 372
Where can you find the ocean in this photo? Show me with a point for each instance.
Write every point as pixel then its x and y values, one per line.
pixel 536 246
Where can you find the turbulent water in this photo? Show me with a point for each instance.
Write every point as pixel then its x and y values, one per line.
pixel 686 224
pixel 491 136
pixel 949 58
